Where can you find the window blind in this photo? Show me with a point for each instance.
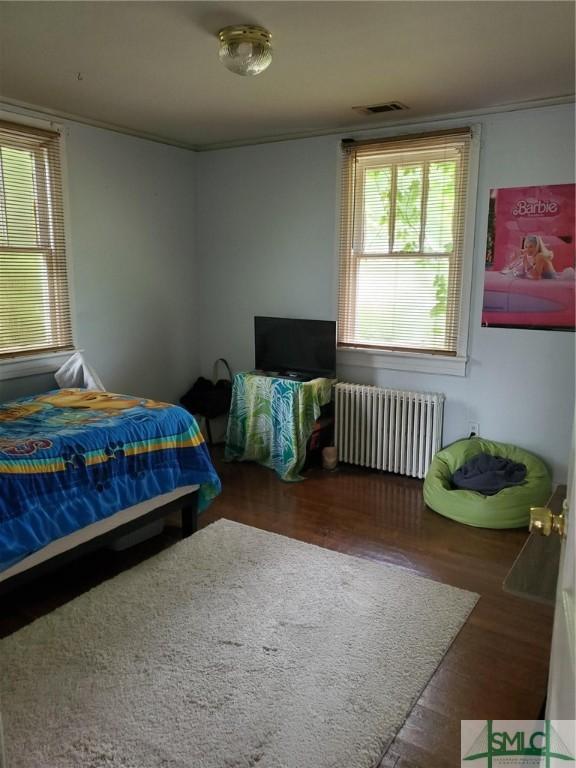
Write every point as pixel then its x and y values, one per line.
pixel 34 298
pixel 401 242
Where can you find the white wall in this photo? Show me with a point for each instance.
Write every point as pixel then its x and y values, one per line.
pixel 147 306
pixel 266 244
pixel 131 224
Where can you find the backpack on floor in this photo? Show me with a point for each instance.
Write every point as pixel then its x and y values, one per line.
pixel 210 399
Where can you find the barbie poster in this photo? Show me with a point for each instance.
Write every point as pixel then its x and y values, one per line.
pixel 530 278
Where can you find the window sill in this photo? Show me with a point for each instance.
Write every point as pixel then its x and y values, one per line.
pixel 415 362
pixel 32 365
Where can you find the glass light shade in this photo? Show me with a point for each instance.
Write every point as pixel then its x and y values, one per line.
pixel 245 50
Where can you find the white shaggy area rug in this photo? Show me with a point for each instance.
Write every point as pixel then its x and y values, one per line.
pixel 235 648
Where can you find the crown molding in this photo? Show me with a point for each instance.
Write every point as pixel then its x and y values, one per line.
pixel 372 126
pixel 45 113
pixel 15 106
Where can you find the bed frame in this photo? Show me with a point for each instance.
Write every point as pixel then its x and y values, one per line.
pixel 188 506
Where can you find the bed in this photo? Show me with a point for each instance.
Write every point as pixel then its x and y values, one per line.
pixel 81 467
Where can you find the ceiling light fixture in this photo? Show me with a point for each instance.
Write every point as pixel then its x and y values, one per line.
pixel 245 49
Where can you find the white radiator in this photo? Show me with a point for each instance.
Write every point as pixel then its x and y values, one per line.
pixel 388 429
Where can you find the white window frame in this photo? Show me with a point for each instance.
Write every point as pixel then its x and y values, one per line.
pixel 21 365
pixel 424 362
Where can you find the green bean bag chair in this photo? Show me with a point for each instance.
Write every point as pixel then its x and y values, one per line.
pixel 510 508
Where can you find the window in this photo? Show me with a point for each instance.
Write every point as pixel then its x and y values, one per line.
pixel 34 300
pixel 402 243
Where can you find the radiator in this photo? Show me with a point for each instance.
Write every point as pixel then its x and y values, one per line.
pixel 388 429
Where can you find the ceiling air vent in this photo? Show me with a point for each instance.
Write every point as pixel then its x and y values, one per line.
pixel 379 109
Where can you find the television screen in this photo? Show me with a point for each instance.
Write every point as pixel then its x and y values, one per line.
pixel 288 346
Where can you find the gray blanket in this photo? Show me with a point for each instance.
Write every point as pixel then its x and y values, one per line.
pixel 488 474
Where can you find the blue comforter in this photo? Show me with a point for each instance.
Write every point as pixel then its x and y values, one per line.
pixel 71 457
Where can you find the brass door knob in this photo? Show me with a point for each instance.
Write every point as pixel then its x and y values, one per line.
pixel 544 521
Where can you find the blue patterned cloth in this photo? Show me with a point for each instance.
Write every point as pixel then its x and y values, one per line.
pixel 271 420
pixel 71 457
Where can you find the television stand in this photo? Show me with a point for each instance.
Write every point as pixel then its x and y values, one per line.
pixel 272 419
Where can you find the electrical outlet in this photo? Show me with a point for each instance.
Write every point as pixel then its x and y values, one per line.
pixel 473 429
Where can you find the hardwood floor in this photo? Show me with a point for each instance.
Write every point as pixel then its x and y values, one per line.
pixel 497 666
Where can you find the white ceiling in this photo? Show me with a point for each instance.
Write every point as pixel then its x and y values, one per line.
pixel 152 67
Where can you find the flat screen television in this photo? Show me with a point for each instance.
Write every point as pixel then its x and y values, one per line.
pixel 301 348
